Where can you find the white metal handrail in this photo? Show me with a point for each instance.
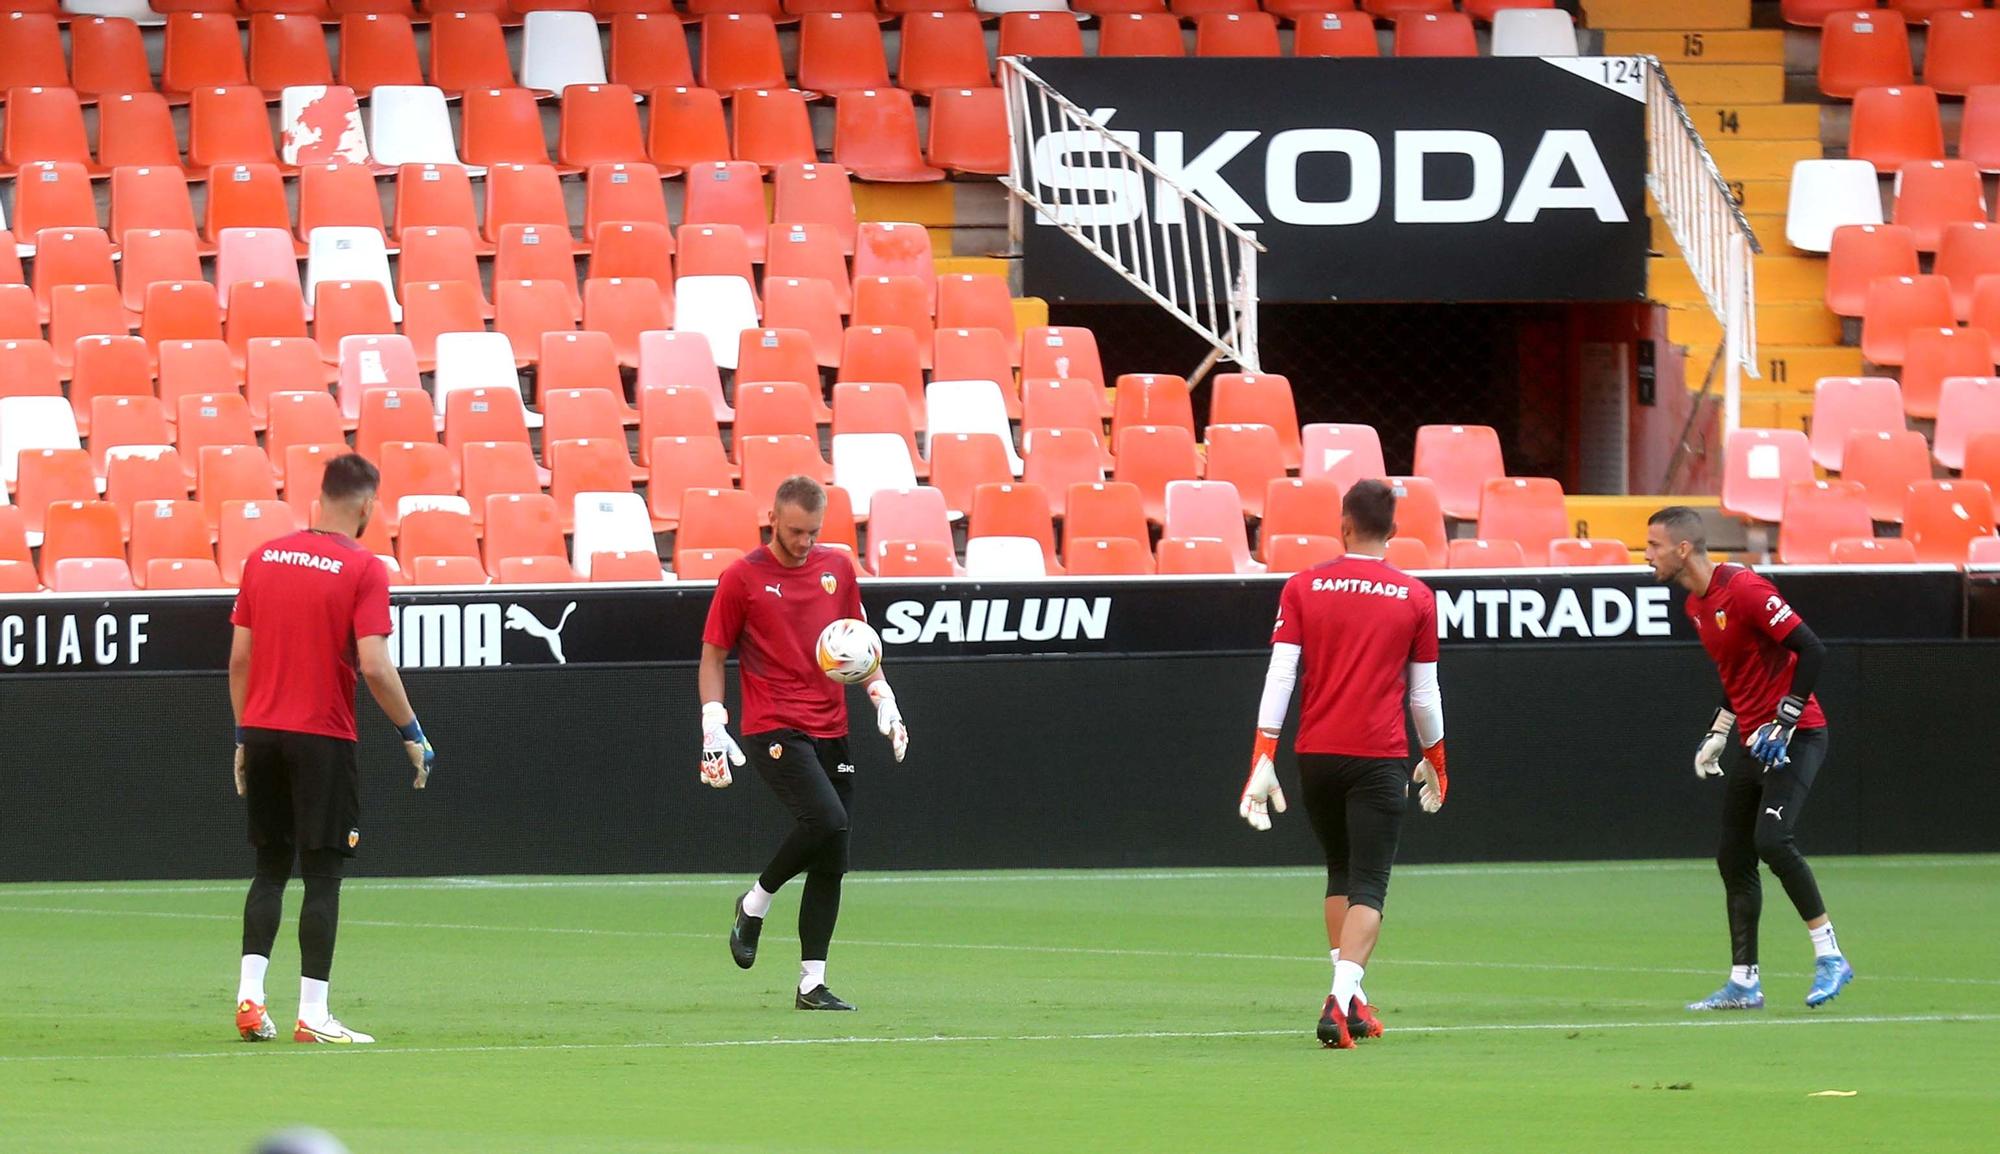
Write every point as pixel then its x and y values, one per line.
pixel 1709 226
pixel 1170 245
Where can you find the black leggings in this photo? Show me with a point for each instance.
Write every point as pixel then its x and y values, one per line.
pixel 1356 807
pixel 1760 813
pixel 814 780
pixel 319 916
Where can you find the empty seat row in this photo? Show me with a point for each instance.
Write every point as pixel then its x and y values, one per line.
pixel 1902 125
pixel 1927 197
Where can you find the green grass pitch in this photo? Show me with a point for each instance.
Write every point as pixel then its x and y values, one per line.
pixel 1529 1008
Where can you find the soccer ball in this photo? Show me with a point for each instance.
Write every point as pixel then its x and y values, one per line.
pixel 849 651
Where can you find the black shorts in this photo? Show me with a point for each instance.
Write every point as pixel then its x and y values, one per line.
pixel 1356 806
pixel 813 777
pixel 303 790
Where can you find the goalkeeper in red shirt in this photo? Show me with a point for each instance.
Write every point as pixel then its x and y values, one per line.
pixel 1366 636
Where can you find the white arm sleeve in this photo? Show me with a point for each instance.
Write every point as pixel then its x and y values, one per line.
pixel 1278 682
pixel 1426 705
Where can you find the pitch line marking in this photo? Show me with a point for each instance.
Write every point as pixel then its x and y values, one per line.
pixel 1412 872
pixel 963 1039
pixel 992 947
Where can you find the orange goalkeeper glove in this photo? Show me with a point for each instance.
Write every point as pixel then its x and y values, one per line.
pixel 1431 780
pixel 1261 792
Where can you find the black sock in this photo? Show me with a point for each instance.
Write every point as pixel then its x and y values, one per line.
pixel 819 909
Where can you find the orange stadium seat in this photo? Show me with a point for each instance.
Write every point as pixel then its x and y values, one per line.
pixel 246 196
pixel 203 49
pixel 44 124
pixel 1526 510
pixel 1979 131
pixel 624 565
pixel 1461 459
pixel 1818 513
pixel 718 519
pixel 378 48
pixel 1843 405
pixel 1872 551
pixel 1250 33
pixel 501 126
pixel 524 194
pixel 80 529
pixel 1860 50
pixel 1588 552
pixel 228 126
pixel 1935 193
pixel 1759 467
pixel 1968 407
pixel 1934 355
pixel 52 194
pixel 31 51
pixel 48 476
pixel 1152 457
pixel 1895 306
pixel 942 50
pixel 1334 33
pixel 808 250
pixel 107 58
pixel 435 196
pixel 1961 49
pixel 1010 509
pixel 1210 509
pixel 599 125
pixel 892 248
pixel 1885 464
pixel 687 128
pixel 740 50
pixel 1343 454
pixel 1107 557
pixel 961 462
pixel 1291 553
pixel 1813 13
pixel 1969 250
pixel 816 194
pixel 1191 556
pixel 1860 254
pixel 679 464
pixel 840 52
pixel 1067 353
pixel 1248 457
pixel 1146 33
pixel 1039 34
pixel 1475 553
pixel 136 129
pixel 1435 34
pixel 287 49
pixel 1059 459
pixel 968 131
pixel 875 136
pixel 1896 126
pixel 150 255
pixel 521 525
pixel 1942 518
pixel 912 559
pixel 649 50
pixel 1302 506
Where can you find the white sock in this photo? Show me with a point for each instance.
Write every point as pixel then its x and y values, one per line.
pixel 1346 983
pixel 250 986
pixel 312 1002
pixel 1743 975
pixel 1824 944
pixel 811 976
pixel 1335 954
pixel 757 902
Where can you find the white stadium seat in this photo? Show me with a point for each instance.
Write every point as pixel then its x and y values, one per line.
pixel 1827 194
pixel 866 463
pixel 559 49
pixel 609 522
pixel 410 124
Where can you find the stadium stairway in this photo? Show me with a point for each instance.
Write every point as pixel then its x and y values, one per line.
pixel 1732 77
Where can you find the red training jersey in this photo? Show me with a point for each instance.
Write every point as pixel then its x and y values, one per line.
pixel 306 598
pixel 772 616
pixel 1360 623
pixel 1743 621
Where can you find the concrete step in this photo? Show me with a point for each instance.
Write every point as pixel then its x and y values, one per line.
pixel 1786 369
pixel 1777 324
pixel 1756 121
pixel 1667 15
pixel 1779 278
pixel 1704 47
pixel 1621 517
pixel 1760 159
pixel 1728 83
pixel 1766 228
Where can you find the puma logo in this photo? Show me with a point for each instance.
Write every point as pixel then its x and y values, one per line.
pixel 519 618
pixel 1778 813
pixel 774 590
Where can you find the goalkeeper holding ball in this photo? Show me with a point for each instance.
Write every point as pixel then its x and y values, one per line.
pixel 771 607
pixel 1367 635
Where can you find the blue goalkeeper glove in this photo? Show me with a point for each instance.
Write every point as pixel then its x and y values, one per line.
pixel 1768 744
pixel 422 757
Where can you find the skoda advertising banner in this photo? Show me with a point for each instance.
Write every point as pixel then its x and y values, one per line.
pixel 1365 180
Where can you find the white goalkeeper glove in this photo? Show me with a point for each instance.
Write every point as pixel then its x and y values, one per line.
pixel 889 719
pixel 1261 791
pixel 1432 783
pixel 719 751
pixel 239 761
pixel 1708 755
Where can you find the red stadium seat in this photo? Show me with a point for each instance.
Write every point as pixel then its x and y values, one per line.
pixel 1526 510
pixel 1818 513
pixel 840 52
pixel 740 50
pixel 1860 50
pixel 1291 553
pixel 1334 33
pixel 468 51
pixel 90 575
pixel 1107 557
pixel 1873 551
pixel 244 525
pixel 680 464
pixel 1588 552
pixel 913 559
pixel 906 515
pixel 687 128
pixel 1942 518
pixel 1844 405
pixel 1248 457
pixel 435 196
pixel 378 48
pixel 1471 553
pixel 1961 49
pixel 1039 34
pixel 1861 253
pixel 1760 466
pixel 1885 464
pixel 1060 459
pixel 1236 34
pixel 718 519
pixel 1897 305
pixel 1813 13
pixel 1460 459
pixel 599 125
pixel 524 194
pixel 1419 519
pixel 1210 509
pixel 1152 457
pixel 1192 556
pixel 649 50
pixel 942 50
pixel 1007 509
pixel 1968 407
pixel 1969 250
pixel 1145 33
pixel 1896 126
pixel 1435 34
pixel 501 126
pixel 1933 194
pixel 107 59
pixel 1302 506
pixel 1935 355
pixel 521 525
pixel 968 131
pixel 816 194
pixel 1979 133
pixel 875 136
